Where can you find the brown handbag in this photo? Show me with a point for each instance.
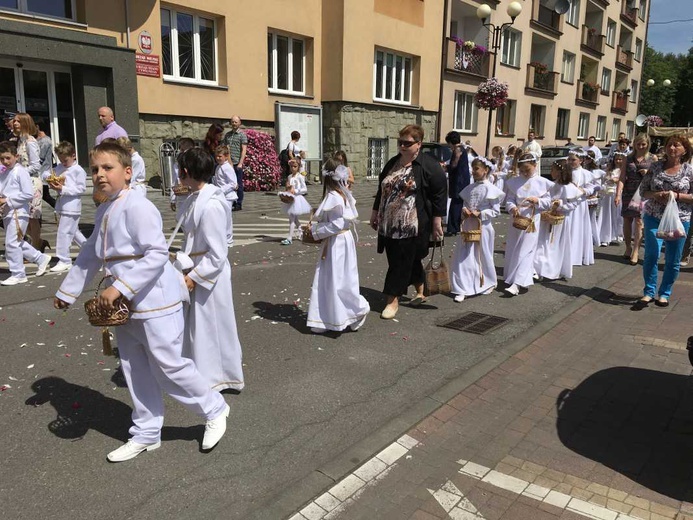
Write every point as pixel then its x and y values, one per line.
pixel 437 277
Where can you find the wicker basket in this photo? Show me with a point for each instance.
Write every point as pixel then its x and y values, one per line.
pixel 552 218
pixel 306 235
pixel 285 198
pixel 471 235
pixel 180 190
pixel 55 179
pixel 99 317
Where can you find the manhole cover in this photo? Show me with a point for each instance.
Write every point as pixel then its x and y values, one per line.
pixel 476 323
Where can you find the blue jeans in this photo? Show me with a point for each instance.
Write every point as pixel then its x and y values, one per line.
pixel 239 178
pixel 672 258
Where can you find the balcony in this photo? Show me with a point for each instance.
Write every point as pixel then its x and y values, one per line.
pixel 546 20
pixel 629 15
pixel 602 3
pixel 541 81
pixel 624 59
pixel 587 93
pixel 592 41
pixel 619 103
pixel 460 60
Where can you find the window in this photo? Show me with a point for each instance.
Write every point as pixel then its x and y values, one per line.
pixel 601 128
pixel 286 58
pixel 511 47
pixel 537 115
pixel 642 10
pixel 633 91
pixel 52 8
pixel 568 67
pixel 583 125
pixel 611 33
pixel 465 112
pixel 606 81
pixel 188 47
pixel 573 17
pixel 377 156
pixel 563 124
pixel 615 128
pixel 392 77
pixel 505 118
pixel 630 130
pixel 638 49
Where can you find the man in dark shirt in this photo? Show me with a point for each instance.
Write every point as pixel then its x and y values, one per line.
pixel 6 133
pixel 458 179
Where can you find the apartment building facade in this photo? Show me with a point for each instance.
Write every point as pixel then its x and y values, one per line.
pixel 570 75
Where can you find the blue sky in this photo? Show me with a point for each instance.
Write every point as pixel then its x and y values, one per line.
pixel 674 37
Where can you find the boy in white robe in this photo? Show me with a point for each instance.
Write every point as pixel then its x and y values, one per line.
pixel 69 203
pixel 16 194
pixel 139 175
pixel 527 196
pixel 211 336
pixel 225 179
pixel 129 245
pixel 598 174
pixel 609 221
pixel 472 269
pixel 178 201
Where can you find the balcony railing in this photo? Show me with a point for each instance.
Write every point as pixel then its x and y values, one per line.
pixel 546 17
pixel 460 60
pixel 619 102
pixel 629 14
pixel 545 81
pixel 588 92
pixel 624 58
pixel 593 40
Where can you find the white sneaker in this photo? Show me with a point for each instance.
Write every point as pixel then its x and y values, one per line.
pixel 13 280
pixel 536 277
pixel 43 265
pixel 61 267
pixel 215 429
pixel 316 330
pixel 459 298
pixel 513 290
pixel 130 450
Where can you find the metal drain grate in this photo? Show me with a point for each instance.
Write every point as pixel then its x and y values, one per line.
pixel 476 323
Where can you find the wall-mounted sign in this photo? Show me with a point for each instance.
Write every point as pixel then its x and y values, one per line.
pixel 145 42
pixel 147 65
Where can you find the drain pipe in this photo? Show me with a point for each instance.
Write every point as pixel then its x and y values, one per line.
pixel 127 23
pixel 442 69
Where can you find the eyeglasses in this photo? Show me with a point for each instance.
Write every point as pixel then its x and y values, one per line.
pixel 406 144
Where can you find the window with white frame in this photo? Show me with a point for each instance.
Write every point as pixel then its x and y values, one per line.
pixel 642 10
pixel 563 124
pixel 52 8
pixel 611 33
pixel 615 128
pixel 633 91
pixel 286 64
pixel 537 117
pixel 465 112
pixel 583 125
pixel 606 81
pixel 568 67
pixel 392 77
pixel 188 47
pixel 505 118
pixel 630 130
pixel 600 135
pixel 511 47
pixel 638 49
pixel 573 17
pixel 377 157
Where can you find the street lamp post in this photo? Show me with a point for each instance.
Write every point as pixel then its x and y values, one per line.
pixel 483 12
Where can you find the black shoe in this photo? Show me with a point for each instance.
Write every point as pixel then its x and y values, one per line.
pixel 662 303
pixel 237 208
pixel 640 305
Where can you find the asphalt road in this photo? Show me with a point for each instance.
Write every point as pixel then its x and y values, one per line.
pixel 307 398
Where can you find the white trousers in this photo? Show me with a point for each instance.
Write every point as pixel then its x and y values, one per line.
pixel 152 361
pixel 229 223
pixel 17 250
pixel 68 230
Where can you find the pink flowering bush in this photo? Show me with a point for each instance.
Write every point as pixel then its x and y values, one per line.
pixel 654 121
pixel 491 94
pixel 261 167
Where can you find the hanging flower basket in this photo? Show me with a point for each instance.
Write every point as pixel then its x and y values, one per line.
pixel 491 94
pixel 469 46
pixel 654 121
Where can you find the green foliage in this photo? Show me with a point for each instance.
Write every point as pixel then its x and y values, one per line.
pixel 674 104
pixel 683 112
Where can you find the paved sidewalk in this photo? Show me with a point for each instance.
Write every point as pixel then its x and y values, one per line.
pixel 593 419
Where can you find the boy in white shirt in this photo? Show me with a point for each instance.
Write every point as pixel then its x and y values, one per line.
pixel 178 201
pixel 129 245
pixel 16 193
pixel 69 204
pixel 225 179
pixel 139 175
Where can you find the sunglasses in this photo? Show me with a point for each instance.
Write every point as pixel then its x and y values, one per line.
pixel 406 144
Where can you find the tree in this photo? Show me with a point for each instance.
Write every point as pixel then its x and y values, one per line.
pixel 683 113
pixel 659 100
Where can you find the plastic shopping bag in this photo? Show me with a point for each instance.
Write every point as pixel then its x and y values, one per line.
pixel 635 203
pixel 670 226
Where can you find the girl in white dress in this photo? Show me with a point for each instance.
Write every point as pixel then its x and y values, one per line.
pixel 335 301
pixel 552 259
pixel 500 166
pixel 598 174
pixel 296 189
pixel 609 220
pixel 472 268
pixel 527 196
pixel 225 179
pixel 581 244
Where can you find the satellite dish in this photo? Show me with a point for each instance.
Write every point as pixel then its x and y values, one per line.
pixel 549 4
pixel 562 6
pixel 640 120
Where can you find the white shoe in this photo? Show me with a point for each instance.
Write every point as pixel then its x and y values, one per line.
pixel 489 290
pixel 513 290
pixel 604 244
pixel 43 265
pixel 357 325
pixel 60 267
pixel 459 298
pixel 130 450
pixel 536 277
pixel 13 280
pixel 316 330
pixel 215 429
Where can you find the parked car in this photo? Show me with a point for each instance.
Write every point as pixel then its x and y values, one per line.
pixel 550 154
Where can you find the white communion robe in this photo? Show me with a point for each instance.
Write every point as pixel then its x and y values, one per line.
pixel 335 301
pixel 520 245
pixel 472 270
pixel 581 244
pixel 225 178
pixel 593 205
pixel 553 259
pixel 609 220
pixel 138 182
pixel 211 336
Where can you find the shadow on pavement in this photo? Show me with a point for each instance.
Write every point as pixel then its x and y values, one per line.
pixel 285 313
pixel 635 421
pixel 81 409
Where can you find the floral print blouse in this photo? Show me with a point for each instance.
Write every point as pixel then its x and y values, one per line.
pixel 657 180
